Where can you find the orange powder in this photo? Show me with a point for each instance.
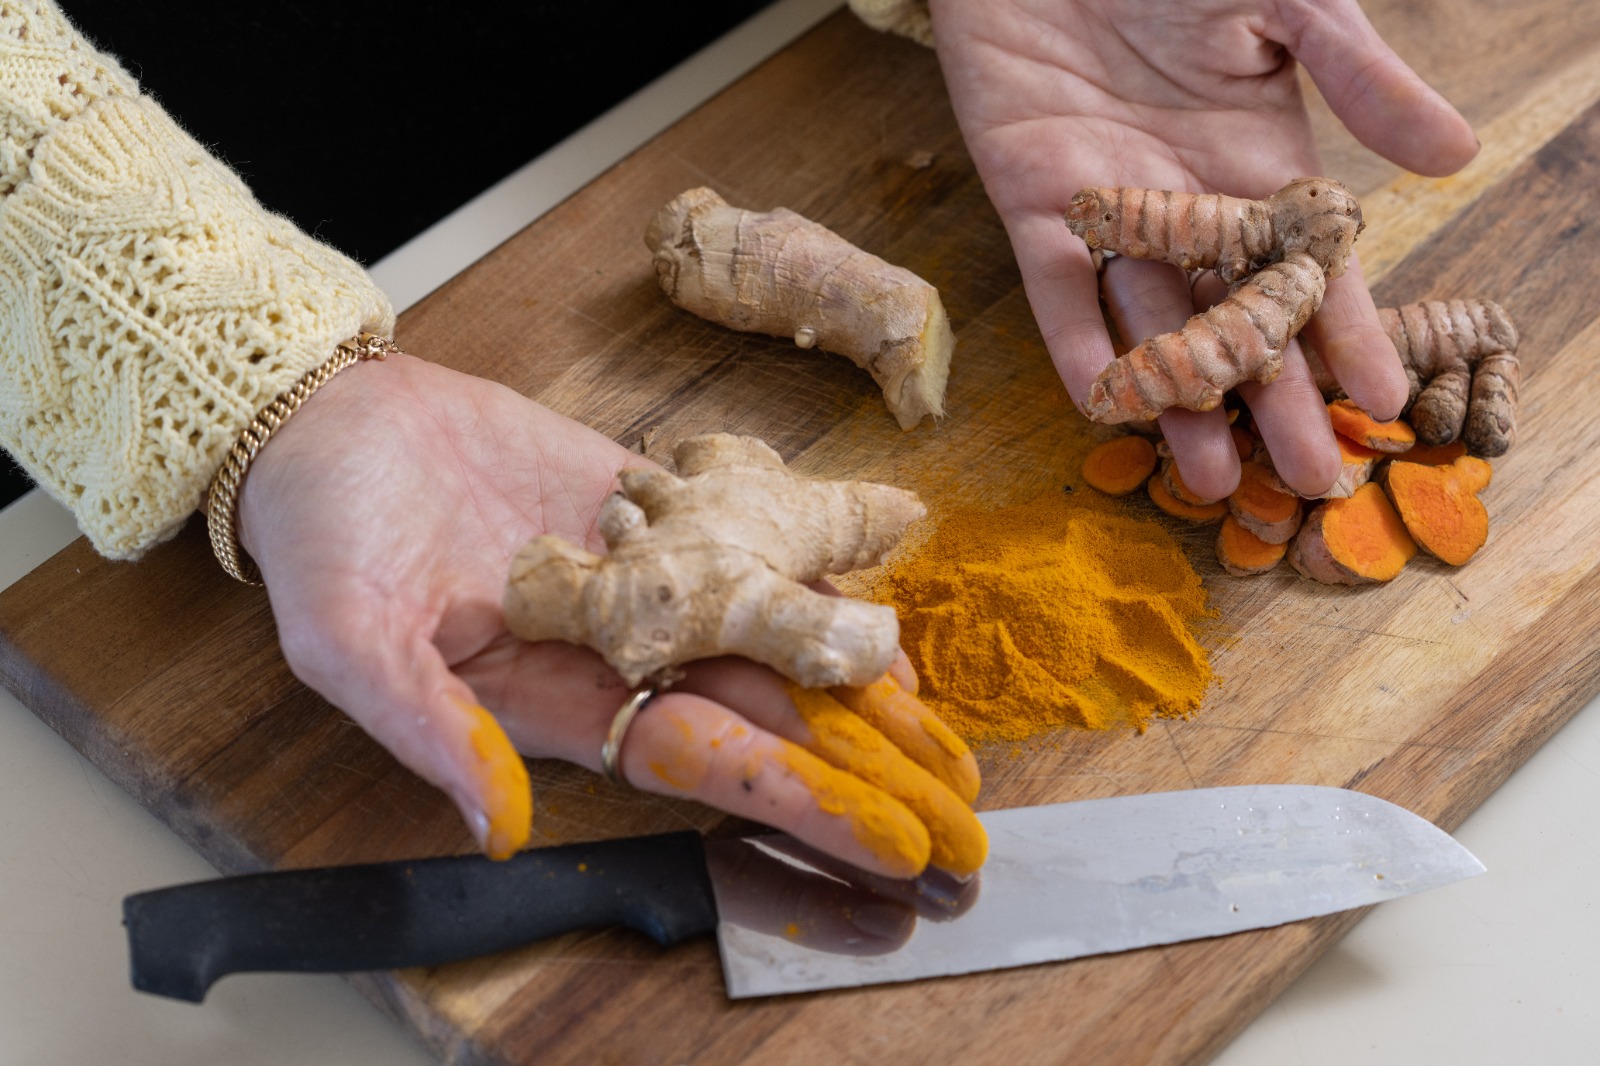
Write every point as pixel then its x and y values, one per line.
pixel 1060 612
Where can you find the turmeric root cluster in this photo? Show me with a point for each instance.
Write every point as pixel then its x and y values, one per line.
pixel 1277 255
pixel 715 560
pixel 1394 497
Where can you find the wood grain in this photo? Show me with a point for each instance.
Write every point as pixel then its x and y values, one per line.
pixel 1428 691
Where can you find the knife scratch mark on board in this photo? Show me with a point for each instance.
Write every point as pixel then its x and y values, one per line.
pixel 1366 632
pixel 1172 738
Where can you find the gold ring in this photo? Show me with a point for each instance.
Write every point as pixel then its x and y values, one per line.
pixel 611 750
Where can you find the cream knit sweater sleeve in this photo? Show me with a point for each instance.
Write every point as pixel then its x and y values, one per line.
pixel 149 307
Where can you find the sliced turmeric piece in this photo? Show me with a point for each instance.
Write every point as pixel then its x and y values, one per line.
pixel 1200 514
pixel 1440 507
pixel 1120 465
pixel 1355 541
pixel 1242 553
pixel 1352 422
pixel 1434 454
pixel 1173 482
pixel 1359 462
pixel 1262 507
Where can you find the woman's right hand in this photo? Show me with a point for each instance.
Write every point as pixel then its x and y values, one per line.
pixel 384 516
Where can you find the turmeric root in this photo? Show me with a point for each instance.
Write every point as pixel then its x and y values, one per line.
pixel 1460 358
pixel 1352 423
pixel 1242 553
pixel 1120 465
pixel 1277 254
pixel 1440 507
pixel 715 561
pixel 1261 507
pixel 1353 541
pixel 783 275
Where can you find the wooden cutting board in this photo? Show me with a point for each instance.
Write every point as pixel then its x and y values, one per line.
pixel 1428 691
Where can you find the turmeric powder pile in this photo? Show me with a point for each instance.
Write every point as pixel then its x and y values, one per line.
pixel 1061 612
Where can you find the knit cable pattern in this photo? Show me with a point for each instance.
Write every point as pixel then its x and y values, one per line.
pixel 149 306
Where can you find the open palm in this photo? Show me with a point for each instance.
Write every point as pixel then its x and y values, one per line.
pixel 1058 95
pixel 384 518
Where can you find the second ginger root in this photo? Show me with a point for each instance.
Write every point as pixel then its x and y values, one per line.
pixel 778 273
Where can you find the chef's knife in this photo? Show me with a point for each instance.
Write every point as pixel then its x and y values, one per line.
pixel 1062 881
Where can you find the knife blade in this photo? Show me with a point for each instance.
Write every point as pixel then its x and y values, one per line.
pixel 1063 881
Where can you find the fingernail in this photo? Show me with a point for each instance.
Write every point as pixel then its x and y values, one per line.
pixel 882 919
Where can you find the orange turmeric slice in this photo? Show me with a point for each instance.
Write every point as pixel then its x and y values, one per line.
pixel 1242 553
pixel 1440 507
pixel 1353 541
pixel 1358 463
pixel 1120 465
pixel 1260 506
pixel 1200 514
pixel 1352 422
pixel 1177 489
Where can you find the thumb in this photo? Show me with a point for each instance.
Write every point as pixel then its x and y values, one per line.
pixel 1380 99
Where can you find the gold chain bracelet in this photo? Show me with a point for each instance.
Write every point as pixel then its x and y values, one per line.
pixel 222 502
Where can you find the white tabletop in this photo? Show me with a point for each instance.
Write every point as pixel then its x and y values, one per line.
pixel 1503 968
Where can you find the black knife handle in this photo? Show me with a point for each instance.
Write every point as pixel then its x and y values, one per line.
pixel 391 915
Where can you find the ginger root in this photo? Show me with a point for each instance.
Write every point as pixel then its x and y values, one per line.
pixel 780 274
pixel 1276 253
pixel 907 18
pixel 715 561
pixel 1460 358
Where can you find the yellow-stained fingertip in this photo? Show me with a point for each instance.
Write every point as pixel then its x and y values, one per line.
pixel 504 793
pixel 914 728
pixel 958 841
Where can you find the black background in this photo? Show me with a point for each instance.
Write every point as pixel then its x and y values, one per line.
pixel 367 122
